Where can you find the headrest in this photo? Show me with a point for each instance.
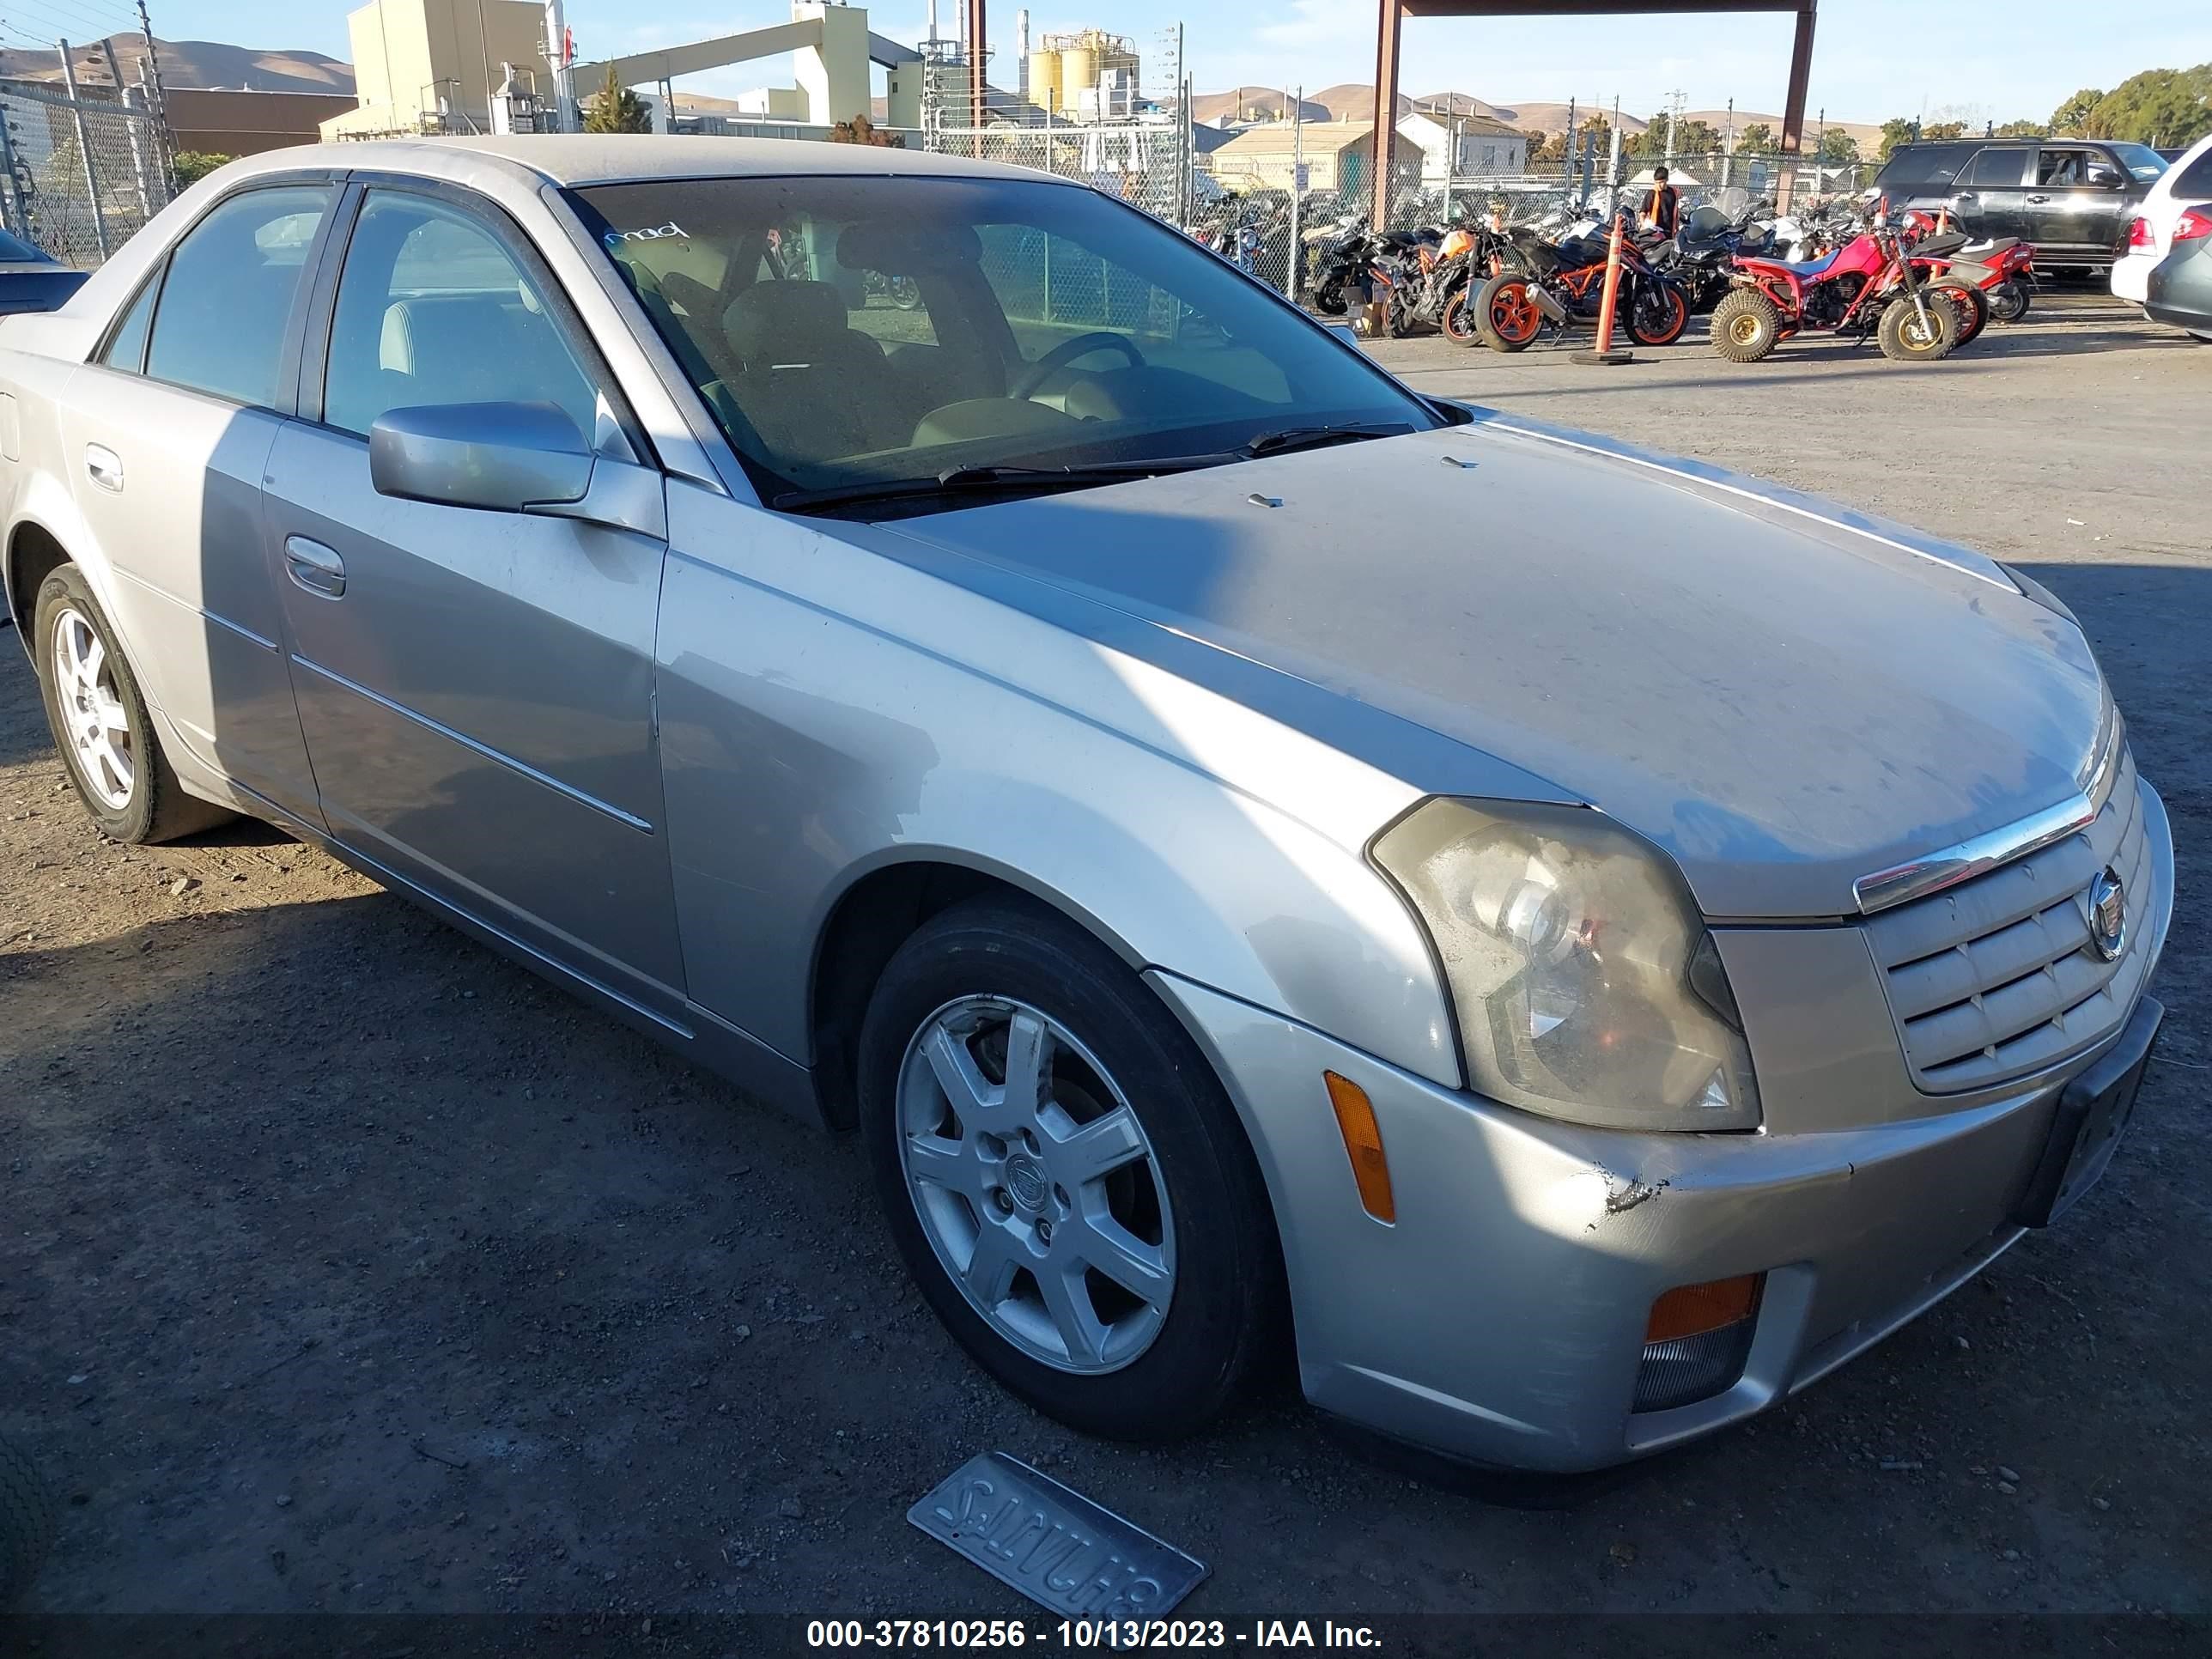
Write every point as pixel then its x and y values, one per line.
pixel 439 335
pixel 774 316
pixel 900 250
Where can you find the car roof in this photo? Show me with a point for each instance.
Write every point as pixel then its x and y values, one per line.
pixel 585 158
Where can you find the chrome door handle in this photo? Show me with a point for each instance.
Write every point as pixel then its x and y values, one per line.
pixel 104 465
pixel 2038 198
pixel 314 567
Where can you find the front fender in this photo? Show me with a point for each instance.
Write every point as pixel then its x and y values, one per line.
pixel 811 733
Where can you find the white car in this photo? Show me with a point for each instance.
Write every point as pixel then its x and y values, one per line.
pixel 2187 183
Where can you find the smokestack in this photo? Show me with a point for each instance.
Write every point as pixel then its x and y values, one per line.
pixel 932 21
pixel 1022 51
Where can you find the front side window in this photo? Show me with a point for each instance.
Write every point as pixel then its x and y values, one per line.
pixel 432 308
pixel 2142 162
pixel 2066 169
pixel 228 300
pixel 860 332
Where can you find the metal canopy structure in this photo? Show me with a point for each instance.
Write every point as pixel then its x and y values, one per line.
pixel 1394 13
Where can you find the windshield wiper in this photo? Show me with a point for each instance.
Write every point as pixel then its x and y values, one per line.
pixel 1285 440
pixel 994 480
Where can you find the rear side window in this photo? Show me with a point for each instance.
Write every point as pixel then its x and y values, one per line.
pixel 2001 165
pixel 232 281
pixel 2194 182
pixel 127 349
pixel 1926 164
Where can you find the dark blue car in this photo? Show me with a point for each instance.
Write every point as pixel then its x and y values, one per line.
pixel 30 280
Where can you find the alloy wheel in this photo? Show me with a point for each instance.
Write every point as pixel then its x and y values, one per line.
pixel 92 711
pixel 1036 1184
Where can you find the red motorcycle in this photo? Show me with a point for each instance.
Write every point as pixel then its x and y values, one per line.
pixel 2001 271
pixel 1870 285
pixel 1563 283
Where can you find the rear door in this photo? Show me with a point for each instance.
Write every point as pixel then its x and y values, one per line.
pixel 2077 202
pixel 166 432
pixel 477 687
pixel 1990 195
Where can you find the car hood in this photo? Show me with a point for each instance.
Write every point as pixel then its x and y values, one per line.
pixel 1784 694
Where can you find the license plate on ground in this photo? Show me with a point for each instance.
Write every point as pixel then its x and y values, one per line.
pixel 1052 1545
pixel 2092 1114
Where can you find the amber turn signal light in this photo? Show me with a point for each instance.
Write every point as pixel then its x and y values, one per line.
pixel 1363 1144
pixel 1694 1309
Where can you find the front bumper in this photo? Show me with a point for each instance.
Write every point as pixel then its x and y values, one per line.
pixel 1502 1318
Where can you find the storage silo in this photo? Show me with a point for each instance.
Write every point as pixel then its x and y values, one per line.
pixel 1078 70
pixel 1044 88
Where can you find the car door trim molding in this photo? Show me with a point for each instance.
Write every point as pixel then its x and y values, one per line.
pixel 498 756
pixel 200 611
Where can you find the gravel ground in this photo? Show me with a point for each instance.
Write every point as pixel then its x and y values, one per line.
pixel 346 1268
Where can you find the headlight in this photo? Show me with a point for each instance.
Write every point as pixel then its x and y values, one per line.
pixel 1586 985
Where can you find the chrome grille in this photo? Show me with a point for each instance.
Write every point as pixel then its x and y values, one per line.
pixel 1997 977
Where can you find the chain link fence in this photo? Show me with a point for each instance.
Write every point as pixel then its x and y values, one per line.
pixel 1146 163
pixel 81 174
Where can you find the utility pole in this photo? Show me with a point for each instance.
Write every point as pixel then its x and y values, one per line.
pixel 1728 146
pixel 1673 106
pixel 1567 176
pixel 158 101
pixel 1290 282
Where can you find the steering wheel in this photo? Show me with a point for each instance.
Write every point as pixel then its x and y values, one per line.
pixel 1067 352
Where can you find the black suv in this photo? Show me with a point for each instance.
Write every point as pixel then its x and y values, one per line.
pixel 2072 197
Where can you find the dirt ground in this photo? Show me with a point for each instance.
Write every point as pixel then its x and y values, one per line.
pixel 344 1266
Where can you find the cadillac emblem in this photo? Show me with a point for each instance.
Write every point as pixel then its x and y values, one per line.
pixel 2108 915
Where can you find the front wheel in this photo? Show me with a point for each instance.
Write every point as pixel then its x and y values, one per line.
pixel 100 722
pixel 1070 1185
pixel 1457 321
pixel 1905 339
pixel 1747 326
pixel 1505 313
pixel 1658 314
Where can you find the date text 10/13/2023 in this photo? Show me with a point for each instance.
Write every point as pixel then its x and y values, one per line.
pixel 1085 1634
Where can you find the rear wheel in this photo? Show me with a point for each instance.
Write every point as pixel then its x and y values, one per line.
pixel 1905 339
pixel 1747 326
pixel 1972 308
pixel 1657 314
pixel 1505 313
pixel 2009 300
pixel 1069 1182
pixel 100 722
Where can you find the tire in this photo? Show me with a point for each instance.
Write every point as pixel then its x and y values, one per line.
pixel 1900 335
pixel 1328 299
pixel 1747 326
pixel 1190 1200
pixel 1505 315
pixel 28 1518
pixel 1657 314
pixel 905 293
pixel 128 787
pixel 1972 308
pixel 1457 321
pixel 2009 300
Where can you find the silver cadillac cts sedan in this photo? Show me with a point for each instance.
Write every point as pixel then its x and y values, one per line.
pixel 1585 943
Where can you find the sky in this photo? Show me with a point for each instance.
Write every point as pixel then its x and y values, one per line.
pixel 1871 59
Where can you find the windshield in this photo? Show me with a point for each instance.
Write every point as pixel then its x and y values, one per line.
pixel 855 333
pixel 2140 160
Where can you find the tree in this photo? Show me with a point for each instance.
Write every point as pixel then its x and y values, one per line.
pixel 194 164
pixel 1691 138
pixel 862 131
pixel 1836 145
pixel 1758 138
pixel 1896 132
pixel 1944 129
pixel 2024 129
pixel 618 109
pixel 1553 148
pixel 2158 107
pixel 2071 118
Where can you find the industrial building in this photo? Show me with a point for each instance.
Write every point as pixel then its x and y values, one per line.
pixel 444 66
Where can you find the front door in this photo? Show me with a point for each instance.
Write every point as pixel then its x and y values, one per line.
pixel 166 432
pixel 2078 201
pixel 477 687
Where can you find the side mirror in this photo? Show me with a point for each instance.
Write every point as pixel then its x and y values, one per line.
pixel 511 458
pixel 2106 178
pixel 501 458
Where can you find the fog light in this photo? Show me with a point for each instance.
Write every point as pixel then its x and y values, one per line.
pixel 1696 1341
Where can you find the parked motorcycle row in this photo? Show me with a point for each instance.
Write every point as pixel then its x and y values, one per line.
pixel 1918 288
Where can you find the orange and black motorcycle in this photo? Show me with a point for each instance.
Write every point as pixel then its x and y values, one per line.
pixel 1561 284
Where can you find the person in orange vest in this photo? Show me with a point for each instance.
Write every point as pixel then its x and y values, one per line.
pixel 1662 207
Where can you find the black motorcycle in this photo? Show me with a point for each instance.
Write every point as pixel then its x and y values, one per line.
pixel 1701 255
